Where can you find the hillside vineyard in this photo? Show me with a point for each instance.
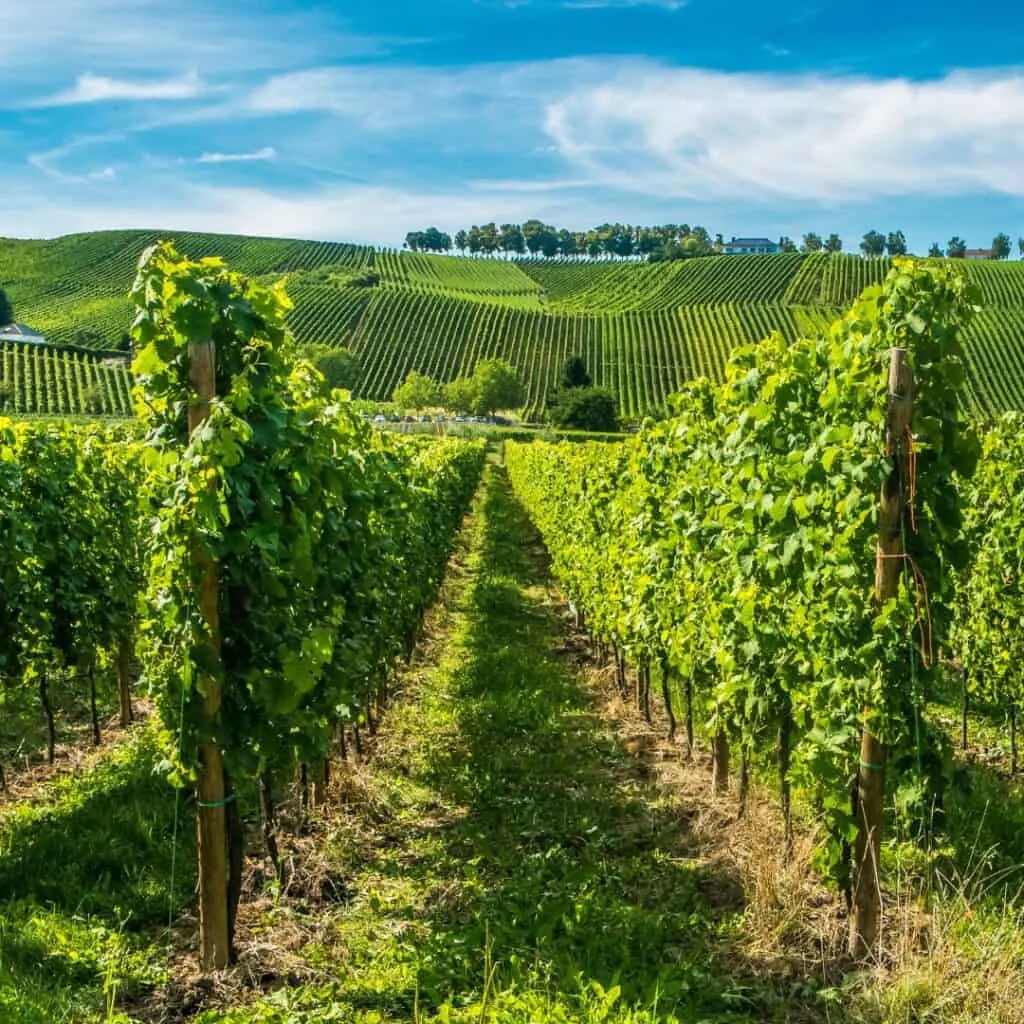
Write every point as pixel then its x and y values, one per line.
pixel 644 330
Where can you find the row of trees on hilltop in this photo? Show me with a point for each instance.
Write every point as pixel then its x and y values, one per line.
pixel 535 238
pixel 875 243
pixel 658 243
pixel 1000 249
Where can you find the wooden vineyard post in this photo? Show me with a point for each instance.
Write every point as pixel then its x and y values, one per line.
pixel 720 761
pixel 211 819
pixel 124 683
pixel 865 918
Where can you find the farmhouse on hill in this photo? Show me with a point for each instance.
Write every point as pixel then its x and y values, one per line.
pixel 750 246
pixel 979 254
pixel 23 333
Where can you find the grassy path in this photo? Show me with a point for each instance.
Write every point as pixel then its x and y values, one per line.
pixel 508 860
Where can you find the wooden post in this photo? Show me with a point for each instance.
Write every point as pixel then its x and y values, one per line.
pixel 211 819
pixel 741 811
pixel 720 761
pixel 319 780
pixel 666 696
pixel 865 919
pixel 124 683
pixel 93 711
pixel 688 710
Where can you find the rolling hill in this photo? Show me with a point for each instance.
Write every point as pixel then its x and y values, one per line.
pixel 643 329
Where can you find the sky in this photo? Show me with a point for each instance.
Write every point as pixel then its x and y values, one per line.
pixel 360 121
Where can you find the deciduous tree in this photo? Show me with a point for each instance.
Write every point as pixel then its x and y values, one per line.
pixel 417 391
pixel 896 243
pixel 497 385
pixel 574 374
pixel 584 408
pixel 873 244
pixel 340 366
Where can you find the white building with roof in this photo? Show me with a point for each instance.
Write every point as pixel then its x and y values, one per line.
pixel 23 333
pixel 750 247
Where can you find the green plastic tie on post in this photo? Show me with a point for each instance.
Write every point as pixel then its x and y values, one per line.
pixel 217 803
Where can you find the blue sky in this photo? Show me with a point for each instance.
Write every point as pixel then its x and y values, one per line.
pixel 361 121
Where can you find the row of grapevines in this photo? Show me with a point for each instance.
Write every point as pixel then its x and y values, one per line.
pixel 991 599
pixel 36 379
pixel 293 548
pixel 325 314
pixel 641 356
pixel 70 561
pixel 735 544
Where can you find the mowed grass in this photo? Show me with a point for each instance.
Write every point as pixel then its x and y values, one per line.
pixel 85 883
pixel 510 862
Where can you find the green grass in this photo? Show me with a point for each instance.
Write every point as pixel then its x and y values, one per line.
pixel 85 878
pixel 515 866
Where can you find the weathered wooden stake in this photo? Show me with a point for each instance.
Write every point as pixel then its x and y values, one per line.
pixel 268 822
pixel 720 762
pixel 93 710
pixel 211 819
pixel 51 729
pixel 865 919
pixel 666 696
pixel 319 779
pixel 124 683
pixel 744 795
pixel 785 755
pixel 688 711
pixel 1013 739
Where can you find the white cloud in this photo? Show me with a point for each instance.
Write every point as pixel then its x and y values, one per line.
pixel 145 37
pixel 686 133
pixel 360 213
pixel 266 153
pixel 92 88
pixel 48 162
pixel 495 97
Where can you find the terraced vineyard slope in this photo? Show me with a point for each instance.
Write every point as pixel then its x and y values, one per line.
pixel 643 329
pixel 47 380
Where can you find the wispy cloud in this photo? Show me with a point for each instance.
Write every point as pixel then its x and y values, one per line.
pixel 92 88
pixel 266 153
pixel 701 134
pixel 141 36
pixel 776 51
pixel 581 5
pixel 361 213
pixel 497 98
pixel 48 162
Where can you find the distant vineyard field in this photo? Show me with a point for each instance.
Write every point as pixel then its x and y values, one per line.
pixel 38 379
pixel 643 329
